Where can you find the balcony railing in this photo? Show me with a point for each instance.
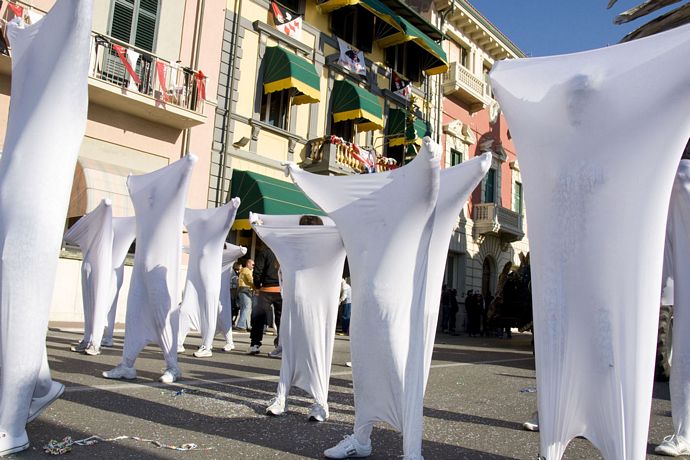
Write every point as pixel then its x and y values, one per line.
pixel 459 82
pixel 490 218
pixel 324 157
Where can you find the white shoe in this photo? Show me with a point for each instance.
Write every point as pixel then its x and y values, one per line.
pixel 348 447
pixel 107 342
pixel 80 347
pixel 673 446
pixel 203 352
pixel 39 404
pixel 11 444
pixel 121 372
pixel 91 350
pixel 348 363
pixel 253 350
pixel 229 347
pixel 170 375
pixel 318 413
pixel 180 349
pixel 277 352
pixel 533 423
pixel 276 406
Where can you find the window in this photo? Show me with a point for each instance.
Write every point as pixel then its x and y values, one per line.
pixel 406 59
pixel 455 157
pixel 295 6
pixel 275 108
pixel 517 197
pixel 464 57
pixel 344 129
pixel 135 22
pixel 490 186
pixel 355 25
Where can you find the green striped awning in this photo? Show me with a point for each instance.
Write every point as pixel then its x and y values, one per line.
pixel 350 102
pixel 284 70
pixel 435 61
pixel 396 128
pixel 267 195
pixel 375 7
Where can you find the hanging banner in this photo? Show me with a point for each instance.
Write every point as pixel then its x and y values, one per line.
pixel 17 10
pixel 160 71
pixel 400 86
pixel 122 53
pixel 200 85
pixel 351 58
pixel 287 22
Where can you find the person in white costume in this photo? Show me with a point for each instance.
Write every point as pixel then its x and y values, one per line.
pixel 678 251
pixel 153 312
pixel 230 255
pixel 45 127
pixel 312 257
pixel 394 283
pixel 124 231
pixel 93 233
pixel 575 122
pixel 207 229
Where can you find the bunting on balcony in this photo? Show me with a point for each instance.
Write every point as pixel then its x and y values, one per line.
pixel 200 85
pixel 17 10
pixel 286 21
pixel 351 58
pixel 122 54
pixel 160 72
pixel 400 86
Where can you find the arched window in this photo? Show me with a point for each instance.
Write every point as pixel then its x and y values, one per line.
pixel 135 22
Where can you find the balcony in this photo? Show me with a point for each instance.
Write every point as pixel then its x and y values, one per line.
pixel 165 93
pixel 492 219
pixel 329 158
pixel 461 84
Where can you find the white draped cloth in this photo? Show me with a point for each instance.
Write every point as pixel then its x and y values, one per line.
pixel 311 260
pixel 153 305
pixel 678 231
pixel 230 255
pixel 581 124
pixel 46 123
pixel 391 338
pixel 124 231
pixel 208 229
pixel 93 233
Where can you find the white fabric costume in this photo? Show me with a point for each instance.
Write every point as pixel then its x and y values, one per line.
pixel 94 235
pixel 230 255
pixel 46 123
pixel 311 261
pixel 678 231
pixel 596 235
pixel 124 231
pixel 207 229
pixel 152 306
pixel 388 266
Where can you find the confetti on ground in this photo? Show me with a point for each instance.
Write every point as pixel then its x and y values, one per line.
pixel 55 447
pixel 529 390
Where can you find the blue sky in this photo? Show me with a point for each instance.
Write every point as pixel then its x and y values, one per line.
pixel 546 27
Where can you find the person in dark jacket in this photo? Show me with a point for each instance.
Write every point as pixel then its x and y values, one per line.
pixel 267 284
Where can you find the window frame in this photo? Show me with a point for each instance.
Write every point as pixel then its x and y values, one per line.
pixel 517 197
pixel 283 101
pixel 136 12
pixel 453 154
pixel 362 39
pixel 490 174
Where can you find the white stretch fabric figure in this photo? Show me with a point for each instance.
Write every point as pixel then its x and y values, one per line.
pixel 153 313
pixel 575 121
pixel 230 255
pixel 678 248
pixel 388 266
pixel 311 260
pixel 94 235
pixel 124 231
pixel 45 127
pixel 207 229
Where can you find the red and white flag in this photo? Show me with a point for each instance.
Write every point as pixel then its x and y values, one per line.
pixel 286 21
pixel 122 53
pixel 160 71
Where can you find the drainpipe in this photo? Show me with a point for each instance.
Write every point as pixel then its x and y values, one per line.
pixel 224 153
pixel 196 49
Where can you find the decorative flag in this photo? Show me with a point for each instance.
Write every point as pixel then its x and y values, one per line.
pixel 121 52
pixel 351 58
pixel 200 85
pixel 16 9
pixel 160 71
pixel 286 21
pixel 400 86
pixel 133 58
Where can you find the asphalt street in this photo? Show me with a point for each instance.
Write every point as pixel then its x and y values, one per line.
pixel 480 391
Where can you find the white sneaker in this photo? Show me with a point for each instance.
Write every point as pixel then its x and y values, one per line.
pixel 318 413
pixel 253 350
pixel 170 375
pixel 180 349
pixel 80 347
pixel 203 352
pixel 11 444
pixel 107 342
pixel 348 447
pixel 533 423
pixel 91 350
pixel 673 446
pixel 121 372
pixel 39 404
pixel 276 406
pixel 229 347
pixel 277 352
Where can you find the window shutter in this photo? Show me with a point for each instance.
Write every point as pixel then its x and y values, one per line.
pixel 123 13
pixel 146 24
